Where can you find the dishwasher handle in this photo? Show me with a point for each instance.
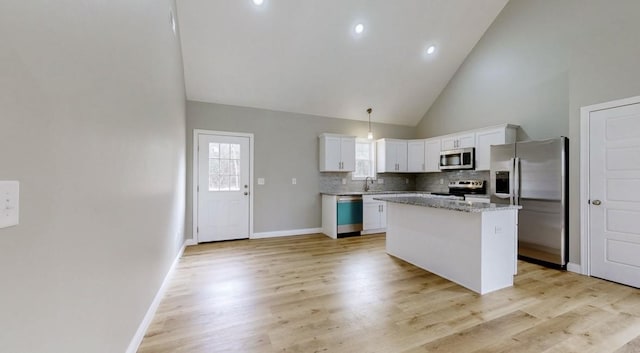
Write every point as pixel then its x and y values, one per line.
pixel 342 199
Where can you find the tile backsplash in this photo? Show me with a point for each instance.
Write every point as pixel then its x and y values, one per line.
pixel 332 182
pixel 431 181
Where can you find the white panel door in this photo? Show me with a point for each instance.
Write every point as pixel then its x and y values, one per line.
pixel 401 155
pixel 415 156
pixel 484 140
pixel 348 153
pixel 432 155
pixel 614 191
pixel 332 155
pixel 467 140
pixel 371 216
pixel 223 187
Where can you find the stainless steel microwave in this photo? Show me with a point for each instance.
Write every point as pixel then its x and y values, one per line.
pixel 463 158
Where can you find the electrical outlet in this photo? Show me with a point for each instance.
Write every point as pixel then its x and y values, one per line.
pixel 406 181
pixel 344 181
pixel 380 181
pixel 441 181
pixel 294 181
pixel 9 203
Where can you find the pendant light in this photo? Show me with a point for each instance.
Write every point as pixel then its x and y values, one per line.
pixel 370 134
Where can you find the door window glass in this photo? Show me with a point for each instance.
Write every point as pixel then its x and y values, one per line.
pixel 224 167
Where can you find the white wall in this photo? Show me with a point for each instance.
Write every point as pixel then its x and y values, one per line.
pixel 538 63
pixel 92 123
pixel 286 146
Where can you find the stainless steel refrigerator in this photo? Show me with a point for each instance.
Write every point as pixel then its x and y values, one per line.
pixel 534 174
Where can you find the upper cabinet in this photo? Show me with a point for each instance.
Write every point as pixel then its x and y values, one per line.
pixel 492 136
pixel 391 156
pixel 415 156
pixel 452 142
pixel 432 155
pixel 423 155
pixel 337 153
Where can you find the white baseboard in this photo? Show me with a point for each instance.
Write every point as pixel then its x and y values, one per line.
pixel 286 233
pixel 373 231
pixel 148 317
pixel 572 267
pixel 190 242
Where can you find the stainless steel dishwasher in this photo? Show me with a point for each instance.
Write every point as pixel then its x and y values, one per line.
pixel 349 214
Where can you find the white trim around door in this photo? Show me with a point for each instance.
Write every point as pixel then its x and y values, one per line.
pixel 585 236
pixel 194 171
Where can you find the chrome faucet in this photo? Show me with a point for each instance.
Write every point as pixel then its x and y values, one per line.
pixel 366 183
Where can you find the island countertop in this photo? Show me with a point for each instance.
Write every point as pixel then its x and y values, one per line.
pixel 347 193
pixel 454 205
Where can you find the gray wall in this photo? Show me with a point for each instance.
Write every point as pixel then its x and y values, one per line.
pixel 286 146
pixel 92 123
pixel 538 63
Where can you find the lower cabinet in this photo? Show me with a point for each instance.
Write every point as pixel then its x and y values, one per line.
pixel 374 215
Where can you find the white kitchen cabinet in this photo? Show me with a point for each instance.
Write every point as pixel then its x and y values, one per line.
pixel 337 153
pixel 391 155
pixel 452 142
pixel 432 155
pixel 374 214
pixel 423 155
pixel 415 156
pixel 494 136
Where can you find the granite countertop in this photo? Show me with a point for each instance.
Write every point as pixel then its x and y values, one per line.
pixel 346 193
pixel 454 205
pixel 480 196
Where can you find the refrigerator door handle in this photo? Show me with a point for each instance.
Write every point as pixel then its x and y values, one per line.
pixel 516 189
pixel 511 181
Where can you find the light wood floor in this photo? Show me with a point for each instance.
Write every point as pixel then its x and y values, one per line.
pixel 315 294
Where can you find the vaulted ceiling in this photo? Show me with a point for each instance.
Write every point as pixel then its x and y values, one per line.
pixel 304 56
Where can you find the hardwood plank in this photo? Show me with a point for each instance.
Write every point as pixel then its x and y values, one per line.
pixel 315 294
pixel 632 346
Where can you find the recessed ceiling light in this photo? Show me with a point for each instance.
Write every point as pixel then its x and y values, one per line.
pixel 258 2
pixel 431 50
pixel 359 28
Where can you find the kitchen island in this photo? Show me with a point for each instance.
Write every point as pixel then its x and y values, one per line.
pixel 473 244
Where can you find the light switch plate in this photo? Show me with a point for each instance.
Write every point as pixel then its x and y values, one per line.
pixel 9 203
pixel 260 181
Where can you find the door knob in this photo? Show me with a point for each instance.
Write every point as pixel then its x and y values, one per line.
pixel 596 202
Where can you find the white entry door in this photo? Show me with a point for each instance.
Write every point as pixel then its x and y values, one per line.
pixel 223 187
pixel 614 191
